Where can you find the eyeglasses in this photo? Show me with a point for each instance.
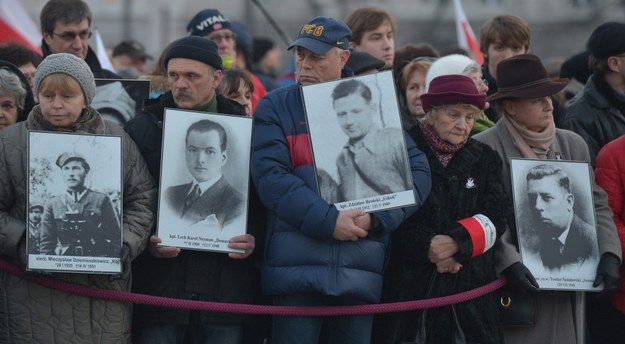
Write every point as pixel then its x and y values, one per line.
pixel 228 36
pixel 480 82
pixel 69 36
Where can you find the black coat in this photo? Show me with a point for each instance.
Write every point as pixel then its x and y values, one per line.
pixel 470 184
pixel 196 275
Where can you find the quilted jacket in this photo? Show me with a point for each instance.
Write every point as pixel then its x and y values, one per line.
pixel 30 313
pixel 301 256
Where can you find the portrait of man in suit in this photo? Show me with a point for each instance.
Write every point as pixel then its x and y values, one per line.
pixel 208 199
pixel 564 239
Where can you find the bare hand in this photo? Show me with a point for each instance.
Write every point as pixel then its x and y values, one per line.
pixel 161 251
pixel 244 242
pixel 449 265
pixel 363 221
pixel 441 248
pixel 347 225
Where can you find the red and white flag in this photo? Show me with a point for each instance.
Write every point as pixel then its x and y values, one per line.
pixel 17 26
pixel 466 37
pixel 103 57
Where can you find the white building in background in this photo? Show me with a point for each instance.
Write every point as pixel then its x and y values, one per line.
pixel 560 28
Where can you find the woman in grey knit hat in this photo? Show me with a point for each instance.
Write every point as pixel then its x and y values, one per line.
pixel 65 87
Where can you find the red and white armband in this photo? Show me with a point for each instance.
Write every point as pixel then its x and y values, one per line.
pixel 482 232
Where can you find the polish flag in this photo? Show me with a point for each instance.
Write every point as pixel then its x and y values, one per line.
pixel 17 26
pixel 466 37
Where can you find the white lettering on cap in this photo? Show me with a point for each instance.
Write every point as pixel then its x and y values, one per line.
pixel 210 21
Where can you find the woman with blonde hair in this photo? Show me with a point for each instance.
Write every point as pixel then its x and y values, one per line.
pixel 31 313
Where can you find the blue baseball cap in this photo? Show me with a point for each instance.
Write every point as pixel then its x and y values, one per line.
pixel 322 34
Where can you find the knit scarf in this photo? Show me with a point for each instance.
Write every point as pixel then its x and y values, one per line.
pixel 89 121
pixel 443 151
pixel 531 144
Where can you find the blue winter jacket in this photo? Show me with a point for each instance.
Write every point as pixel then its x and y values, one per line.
pixel 300 255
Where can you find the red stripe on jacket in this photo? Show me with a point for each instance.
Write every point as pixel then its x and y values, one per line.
pixel 300 151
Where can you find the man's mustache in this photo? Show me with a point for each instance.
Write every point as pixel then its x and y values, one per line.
pixel 182 93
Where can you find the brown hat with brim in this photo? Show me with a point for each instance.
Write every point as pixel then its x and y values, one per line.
pixel 524 76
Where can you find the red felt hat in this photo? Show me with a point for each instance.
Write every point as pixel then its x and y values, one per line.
pixel 452 89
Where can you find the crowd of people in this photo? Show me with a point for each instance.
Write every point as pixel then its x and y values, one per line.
pixel 462 125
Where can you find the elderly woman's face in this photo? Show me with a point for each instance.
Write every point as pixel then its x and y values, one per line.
pixel 453 123
pixel 535 113
pixel 8 111
pixel 61 106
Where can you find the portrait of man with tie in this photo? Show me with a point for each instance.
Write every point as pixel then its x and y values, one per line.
pixel 208 199
pixel 564 239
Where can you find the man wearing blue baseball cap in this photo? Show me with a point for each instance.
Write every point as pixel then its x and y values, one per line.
pixel 315 254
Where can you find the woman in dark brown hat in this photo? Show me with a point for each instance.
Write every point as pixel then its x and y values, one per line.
pixel 527 130
pixel 445 247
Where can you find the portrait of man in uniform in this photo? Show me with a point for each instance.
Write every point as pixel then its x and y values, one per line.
pixel 81 221
pixel 208 199
pixel 35 210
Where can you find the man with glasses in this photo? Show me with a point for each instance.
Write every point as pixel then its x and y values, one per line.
pixel 65 26
pixel 210 23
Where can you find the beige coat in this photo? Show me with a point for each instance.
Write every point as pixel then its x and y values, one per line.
pixel 555 315
pixel 30 313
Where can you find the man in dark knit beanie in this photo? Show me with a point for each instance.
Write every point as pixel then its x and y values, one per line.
pixel 194 70
pixel 597 113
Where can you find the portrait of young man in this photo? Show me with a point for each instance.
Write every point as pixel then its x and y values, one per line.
pixel 208 198
pixel 204 176
pixel 358 143
pixel 564 238
pixel 556 222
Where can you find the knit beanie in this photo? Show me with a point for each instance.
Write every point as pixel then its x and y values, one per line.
pixel 68 64
pixel 450 64
pixel 607 40
pixel 261 47
pixel 207 21
pixel 194 48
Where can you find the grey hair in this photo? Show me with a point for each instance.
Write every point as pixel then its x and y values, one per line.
pixel 471 68
pixel 11 85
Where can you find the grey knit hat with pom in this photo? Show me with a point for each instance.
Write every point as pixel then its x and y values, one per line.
pixel 68 64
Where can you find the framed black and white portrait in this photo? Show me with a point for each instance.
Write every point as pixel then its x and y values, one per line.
pixel 118 100
pixel 203 194
pixel 74 220
pixel 556 223
pixel 358 143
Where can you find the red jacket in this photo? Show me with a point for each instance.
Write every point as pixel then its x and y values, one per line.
pixel 610 175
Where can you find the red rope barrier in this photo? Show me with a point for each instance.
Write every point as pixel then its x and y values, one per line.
pixel 159 301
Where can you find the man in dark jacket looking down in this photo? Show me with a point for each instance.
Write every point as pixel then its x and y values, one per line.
pixel 194 70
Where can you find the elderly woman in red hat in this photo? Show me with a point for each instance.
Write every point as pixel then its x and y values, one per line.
pixel 527 130
pixel 445 247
